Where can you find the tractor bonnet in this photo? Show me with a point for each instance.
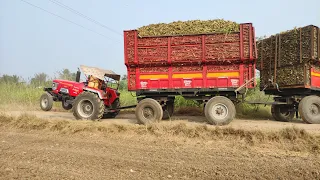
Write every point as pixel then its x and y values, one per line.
pixel 99 73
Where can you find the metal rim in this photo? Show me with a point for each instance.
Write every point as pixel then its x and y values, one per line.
pixel 284 112
pixel 85 108
pixel 44 102
pixel 65 103
pixel 148 113
pixel 314 109
pixel 220 111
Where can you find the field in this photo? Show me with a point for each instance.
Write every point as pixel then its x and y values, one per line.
pixel 24 97
pixel 52 145
pixel 45 147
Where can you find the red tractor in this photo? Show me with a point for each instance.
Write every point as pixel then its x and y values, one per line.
pixel 96 98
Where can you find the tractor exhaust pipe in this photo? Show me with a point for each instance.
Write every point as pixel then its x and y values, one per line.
pixel 78 75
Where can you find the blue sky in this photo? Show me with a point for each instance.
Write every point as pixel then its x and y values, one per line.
pixel 33 41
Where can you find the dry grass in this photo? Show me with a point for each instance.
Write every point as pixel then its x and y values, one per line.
pixel 299 139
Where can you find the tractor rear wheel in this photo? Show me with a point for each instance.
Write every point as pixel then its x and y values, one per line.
pixel 282 113
pixel 148 111
pixel 309 109
pixel 46 101
pixel 220 110
pixel 168 110
pixel 88 106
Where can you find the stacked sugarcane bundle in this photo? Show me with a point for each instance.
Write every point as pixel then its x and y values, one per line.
pixel 286 58
pixel 189 27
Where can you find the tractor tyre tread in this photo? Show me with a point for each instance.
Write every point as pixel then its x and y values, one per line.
pixel 98 105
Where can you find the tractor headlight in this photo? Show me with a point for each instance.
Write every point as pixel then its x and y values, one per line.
pixel 54 86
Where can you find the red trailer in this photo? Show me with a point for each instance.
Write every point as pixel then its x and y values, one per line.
pixel 210 68
pixel 289 63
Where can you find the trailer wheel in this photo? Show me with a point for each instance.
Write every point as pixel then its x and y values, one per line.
pixel 46 101
pixel 220 110
pixel 88 106
pixel 168 110
pixel 148 111
pixel 282 113
pixel 309 109
pixel 66 105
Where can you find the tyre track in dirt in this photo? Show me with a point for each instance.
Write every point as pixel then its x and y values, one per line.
pixel 45 155
pixel 268 125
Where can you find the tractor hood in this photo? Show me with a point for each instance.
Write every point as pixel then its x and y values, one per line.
pixel 99 73
pixel 67 82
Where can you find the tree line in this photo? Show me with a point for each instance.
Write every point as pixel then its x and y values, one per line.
pixel 44 80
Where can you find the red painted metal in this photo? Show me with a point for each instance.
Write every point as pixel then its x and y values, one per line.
pixel 315 80
pixel 242 79
pixel 203 40
pixel 250 71
pixel 169 51
pixel 224 81
pixel 251 43
pixel 137 78
pixel 199 48
pixel 241 42
pixel 136 47
pixel 215 60
pixel 76 88
pixel 126 49
pixel 204 76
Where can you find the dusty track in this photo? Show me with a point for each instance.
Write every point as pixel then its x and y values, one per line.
pixel 45 154
pixel 237 123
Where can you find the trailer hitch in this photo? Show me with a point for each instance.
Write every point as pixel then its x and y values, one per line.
pixel 244 86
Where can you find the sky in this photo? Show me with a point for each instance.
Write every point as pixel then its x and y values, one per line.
pixel 35 41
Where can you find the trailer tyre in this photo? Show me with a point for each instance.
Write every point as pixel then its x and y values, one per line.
pixel 309 109
pixel 148 111
pixel 88 106
pixel 282 113
pixel 168 110
pixel 46 101
pixel 220 110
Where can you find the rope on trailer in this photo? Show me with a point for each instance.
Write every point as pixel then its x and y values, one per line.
pixel 265 87
pixel 277 87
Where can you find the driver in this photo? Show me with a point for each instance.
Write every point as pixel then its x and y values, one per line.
pixel 95 82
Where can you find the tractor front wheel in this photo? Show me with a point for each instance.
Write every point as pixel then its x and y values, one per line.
pixel 46 101
pixel 66 105
pixel 88 106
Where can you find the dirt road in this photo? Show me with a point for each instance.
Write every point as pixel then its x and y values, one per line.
pixel 48 155
pixel 237 123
